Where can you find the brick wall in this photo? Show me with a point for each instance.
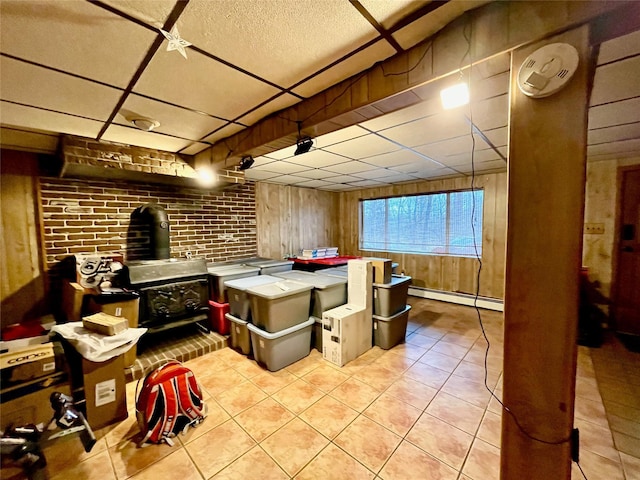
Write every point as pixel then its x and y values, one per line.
pixel 93 217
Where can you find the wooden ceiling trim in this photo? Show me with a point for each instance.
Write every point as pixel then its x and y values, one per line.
pixel 493 29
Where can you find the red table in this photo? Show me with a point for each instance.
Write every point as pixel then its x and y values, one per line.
pixel 313 264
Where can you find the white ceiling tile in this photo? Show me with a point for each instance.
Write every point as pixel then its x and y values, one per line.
pixel 497 136
pixel 616 81
pixel 11 114
pixel 338 136
pixel 626 111
pixel 256 175
pixel 316 174
pixel 224 132
pixel 286 179
pixel 313 183
pixel 317 159
pixel 228 93
pixel 173 120
pixel 620 47
pixel 263 36
pixel 405 115
pixel 484 167
pixel 343 179
pixel 400 177
pixel 392 159
pixel 194 148
pixel 437 127
pixel 283 153
pixel 622 147
pixel 259 161
pixel 367 183
pixel 363 147
pixel 465 158
pixel 39 87
pixel 76 37
pixel 133 136
pixel 281 167
pixel 613 134
pixel 439 173
pixel 377 173
pixel 388 14
pixel 279 103
pixel 490 87
pixel 416 167
pixel 451 146
pixel 349 167
pixel 347 68
pixel 153 13
pixel 339 187
pixel 490 113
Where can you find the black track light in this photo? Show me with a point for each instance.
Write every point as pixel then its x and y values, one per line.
pixel 246 163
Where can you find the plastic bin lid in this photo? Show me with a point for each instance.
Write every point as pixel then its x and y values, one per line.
pixel 272 336
pixel 243 284
pixel 335 272
pixel 395 281
pixel 233 270
pixel 268 263
pixel 316 280
pixel 393 317
pixel 234 319
pixel 280 289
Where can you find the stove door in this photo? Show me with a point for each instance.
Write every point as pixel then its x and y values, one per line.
pixel 174 301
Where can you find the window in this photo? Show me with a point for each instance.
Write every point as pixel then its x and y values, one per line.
pixel 436 223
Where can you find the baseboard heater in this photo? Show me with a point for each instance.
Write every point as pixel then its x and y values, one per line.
pixel 459 298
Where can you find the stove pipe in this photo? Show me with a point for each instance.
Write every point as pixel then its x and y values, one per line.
pixel 156 217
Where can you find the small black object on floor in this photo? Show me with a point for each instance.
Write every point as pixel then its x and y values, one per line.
pixel 630 342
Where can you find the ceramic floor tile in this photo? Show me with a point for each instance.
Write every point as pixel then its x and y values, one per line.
pixel 58 453
pixel 409 462
pixel 253 464
pixel 409 350
pixel 369 442
pixel 333 463
pixel 460 339
pixel 248 368
pixel 376 376
pixel 450 349
pixel 205 365
pixel 124 430
pixel 430 376
pixel 476 373
pixel 220 380
pixel 294 445
pixel 355 393
pixel 97 467
pixel 264 418
pixel 228 356
pixel 178 463
pixel 441 440
pixel 469 390
pixel 329 416
pixel 596 467
pixel 456 412
pixel 325 378
pixel 395 363
pixel 588 388
pixel 596 439
pixel 627 444
pixel 393 414
pixel 271 382
pixel 219 447
pixel 128 459
pixel 439 360
pixel 216 415
pixel 298 396
pixel 495 362
pixel 591 411
pixel 308 363
pixel 483 462
pixel 433 332
pixel 622 411
pixel 491 428
pixel 423 338
pixel 240 397
pixel 625 426
pixel 412 392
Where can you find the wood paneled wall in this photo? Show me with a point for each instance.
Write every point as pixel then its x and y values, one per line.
pixel 447 273
pixel 289 219
pixel 23 284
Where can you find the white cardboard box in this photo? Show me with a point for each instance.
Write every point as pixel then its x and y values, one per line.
pixel 346 333
pixel 360 284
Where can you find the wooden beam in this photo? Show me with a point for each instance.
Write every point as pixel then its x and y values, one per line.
pixel 494 28
pixel 546 182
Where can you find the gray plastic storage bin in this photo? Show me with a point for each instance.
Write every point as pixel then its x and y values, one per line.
pixel 223 273
pixel 390 331
pixel 269 267
pixel 277 350
pixel 335 272
pixel 240 337
pixel 239 302
pixel 279 305
pixel 390 298
pixel 328 291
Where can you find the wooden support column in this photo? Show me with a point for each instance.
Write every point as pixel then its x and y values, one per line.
pixel 546 182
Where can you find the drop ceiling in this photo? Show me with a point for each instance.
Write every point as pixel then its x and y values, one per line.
pixel 84 67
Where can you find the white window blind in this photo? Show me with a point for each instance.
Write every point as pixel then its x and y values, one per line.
pixel 436 223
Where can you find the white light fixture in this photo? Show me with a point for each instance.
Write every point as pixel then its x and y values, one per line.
pixel 144 123
pixel 206 176
pixel 455 96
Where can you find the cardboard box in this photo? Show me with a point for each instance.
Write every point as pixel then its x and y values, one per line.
pixel 360 283
pixel 29 402
pixel 105 324
pixel 346 333
pixel 28 363
pixel 118 307
pixel 381 269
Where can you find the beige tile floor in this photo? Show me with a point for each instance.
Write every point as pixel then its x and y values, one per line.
pixel 417 411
